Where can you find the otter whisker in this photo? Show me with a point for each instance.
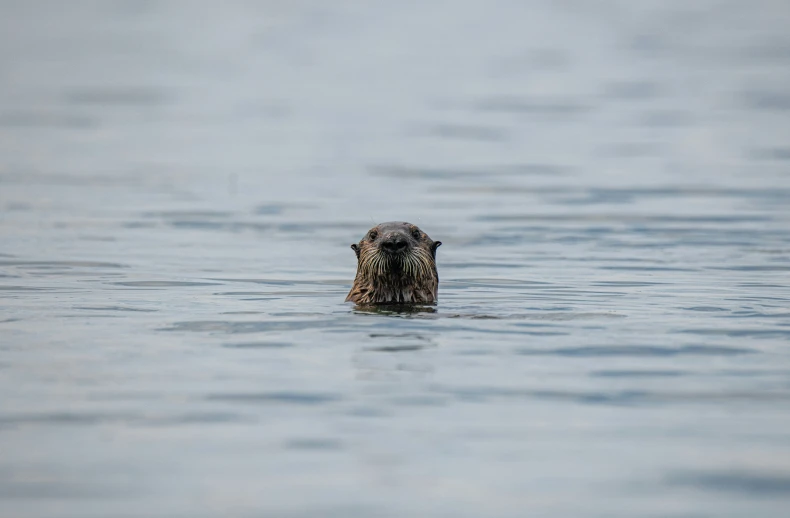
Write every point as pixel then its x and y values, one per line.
pixel 421 263
pixel 382 265
pixel 419 266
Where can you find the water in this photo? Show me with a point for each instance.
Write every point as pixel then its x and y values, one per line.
pixel 180 184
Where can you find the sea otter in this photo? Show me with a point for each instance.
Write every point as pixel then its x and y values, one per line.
pixel 396 264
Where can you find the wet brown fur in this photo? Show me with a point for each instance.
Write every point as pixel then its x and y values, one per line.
pixel 407 276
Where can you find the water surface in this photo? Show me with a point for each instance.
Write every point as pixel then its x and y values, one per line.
pixel 179 186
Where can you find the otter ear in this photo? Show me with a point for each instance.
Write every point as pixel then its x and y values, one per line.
pixel 434 246
pixel 355 248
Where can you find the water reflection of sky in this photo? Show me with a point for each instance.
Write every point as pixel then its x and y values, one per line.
pixel 179 185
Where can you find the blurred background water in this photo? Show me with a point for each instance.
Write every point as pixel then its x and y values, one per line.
pixel 179 185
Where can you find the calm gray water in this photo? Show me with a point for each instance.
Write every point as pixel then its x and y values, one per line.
pixel 179 186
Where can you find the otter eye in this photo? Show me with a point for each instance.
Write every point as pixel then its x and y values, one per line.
pixel 373 235
pixel 415 232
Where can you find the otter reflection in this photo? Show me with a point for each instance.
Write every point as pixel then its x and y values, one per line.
pixel 396 264
pixel 394 310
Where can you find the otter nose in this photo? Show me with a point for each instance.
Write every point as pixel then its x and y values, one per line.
pixel 394 243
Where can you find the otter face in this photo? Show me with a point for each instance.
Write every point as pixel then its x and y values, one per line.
pixel 396 264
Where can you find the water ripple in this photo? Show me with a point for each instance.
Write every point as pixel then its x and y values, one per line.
pixel 639 350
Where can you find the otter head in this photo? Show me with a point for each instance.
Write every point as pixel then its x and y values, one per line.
pixel 396 264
